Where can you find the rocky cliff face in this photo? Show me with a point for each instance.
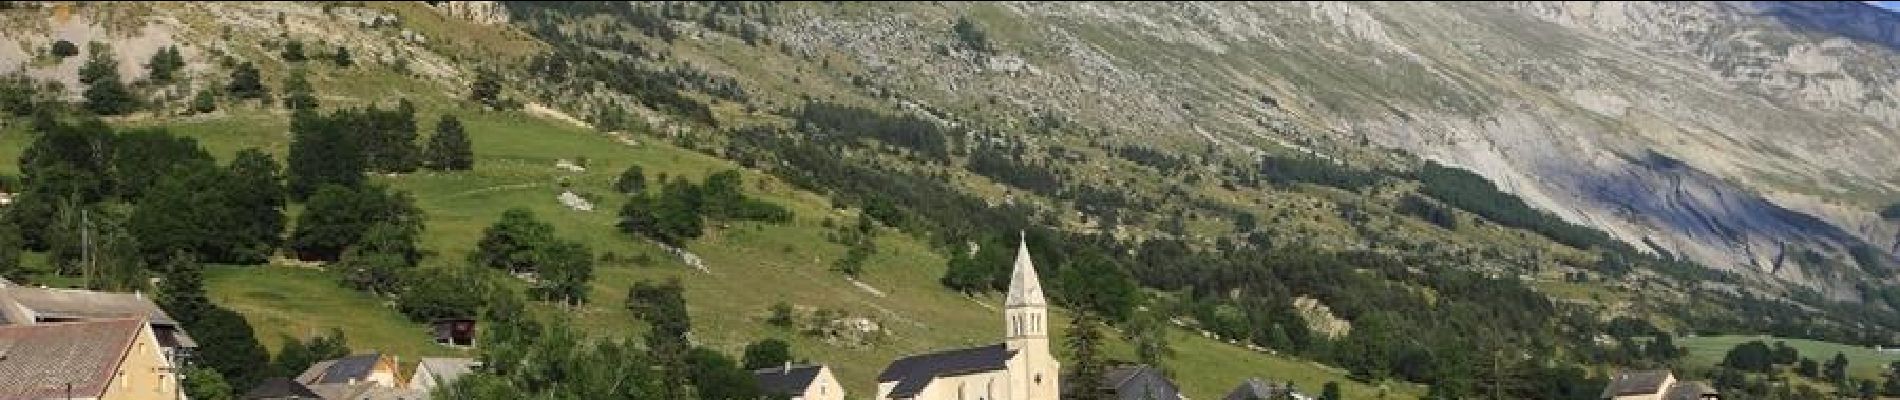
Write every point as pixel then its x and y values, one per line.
pixel 481 12
pixel 1755 137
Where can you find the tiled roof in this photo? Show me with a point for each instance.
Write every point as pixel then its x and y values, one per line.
pixel 914 372
pixel 1256 389
pixel 1635 383
pixel 39 361
pixel 447 370
pixel 788 381
pixel 341 370
pixel 280 388
pixel 73 303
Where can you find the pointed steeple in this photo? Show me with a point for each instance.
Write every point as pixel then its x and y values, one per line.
pixel 1025 289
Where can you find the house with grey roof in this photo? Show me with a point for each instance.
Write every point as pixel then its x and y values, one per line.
pixel 280 389
pixel 371 376
pixel 800 382
pixel 1257 389
pixel 433 372
pixel 1135 382
pixel 1655 385
pixel 37 305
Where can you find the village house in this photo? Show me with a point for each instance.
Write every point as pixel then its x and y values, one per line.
pixel 1257 389
pixel 23 305
pixel 1020 368
pixel 800 382
pixel 1655 385
pixel 372 376
pixel 280 389
pixel 113 359
pixel 433 373
pixel 1136 382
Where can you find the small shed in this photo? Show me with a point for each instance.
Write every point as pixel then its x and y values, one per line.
pixel 459 332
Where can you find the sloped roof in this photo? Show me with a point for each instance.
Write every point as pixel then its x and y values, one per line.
pixel 788 381
pixel 280 388
pixel 38 361
pixel 74 303
pixel 1690 390
pixel 1256 389
pixel 447 370
pixel 914 372
pixel 1629 383
pixel 341 370
pixel 1025 289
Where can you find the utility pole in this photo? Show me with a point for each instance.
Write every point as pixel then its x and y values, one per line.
pixel 85 246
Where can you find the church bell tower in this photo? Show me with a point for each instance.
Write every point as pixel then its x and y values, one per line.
pixel 1026 316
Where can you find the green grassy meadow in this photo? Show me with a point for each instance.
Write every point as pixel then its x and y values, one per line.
pixel 1862 362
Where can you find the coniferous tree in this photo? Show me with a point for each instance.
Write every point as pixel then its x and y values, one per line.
pixel 487 88
pixel 449 149
pixel 297 92
pixel 246 83
pixel 106 93
pixel 206 101
pixel 293 52
pixel 632 181
pixel 1836 370
pixel 256 196
pixel 323 152
pixel 164 64
pixel 342 57
pixel 1084 342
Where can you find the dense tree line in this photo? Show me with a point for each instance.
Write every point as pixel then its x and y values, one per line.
pixel 677 212
pixel 843 123
pixel 337 149
pixel 1287 170
pixel 525 357
pixel 1478 195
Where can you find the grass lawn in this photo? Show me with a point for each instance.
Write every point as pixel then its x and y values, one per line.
pixel 1862 362
pixel 295 302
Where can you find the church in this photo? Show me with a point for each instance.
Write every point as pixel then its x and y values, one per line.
pixel 1019 368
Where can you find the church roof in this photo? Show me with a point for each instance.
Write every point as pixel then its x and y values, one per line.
pixel 1025 289
pixel 914 372
pixel 789 379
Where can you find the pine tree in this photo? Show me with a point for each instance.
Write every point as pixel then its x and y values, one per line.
pixel 297 92
pixel 342 57
pixel 164 64
pixel 256 196
pixel 246 83
pixel 106 93
pixel 449 149
pixel 206 101
pixel 293 51
pixel 1085 350
pixel 633 180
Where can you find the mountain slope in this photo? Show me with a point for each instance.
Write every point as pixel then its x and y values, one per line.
pixel 1730 134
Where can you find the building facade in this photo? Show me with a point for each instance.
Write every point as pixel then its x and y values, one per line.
pixel 1019 368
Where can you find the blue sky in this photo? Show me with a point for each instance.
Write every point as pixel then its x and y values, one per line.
pixel 1889 5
